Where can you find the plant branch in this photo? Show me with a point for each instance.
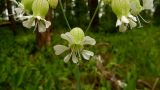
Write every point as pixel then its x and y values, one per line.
pixel 155 84
pixel 64 15
pixel 93 16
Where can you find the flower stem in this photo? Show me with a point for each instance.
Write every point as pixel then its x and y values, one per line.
pixel 77 73
pixel 93 16
pixel 64 14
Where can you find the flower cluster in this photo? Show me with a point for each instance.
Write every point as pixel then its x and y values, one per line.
pixel 127 10
pixel 76 41
pixel 33 12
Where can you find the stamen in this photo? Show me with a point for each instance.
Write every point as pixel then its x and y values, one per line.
pixel 139 23
pixel 143 19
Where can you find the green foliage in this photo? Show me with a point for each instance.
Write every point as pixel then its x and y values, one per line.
pixel 136 52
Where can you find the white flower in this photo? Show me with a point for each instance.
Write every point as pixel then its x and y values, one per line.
pixel 121 84
pixel 124 21
pixel 19 11
pixel 36 21
pixel 76 40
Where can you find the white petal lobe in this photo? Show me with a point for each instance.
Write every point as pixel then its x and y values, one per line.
pixel 89 41
pixel 41 27
pixel 66 58
pixel 74 58
pixel 118 23
pixel 28 23
pixel 59 49
pixel 67 36
pixel 124 19
pixel 87 54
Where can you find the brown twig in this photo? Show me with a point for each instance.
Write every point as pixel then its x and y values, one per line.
pixel 5 23
pixel 144 83
pixel 155 84
pixel 109 76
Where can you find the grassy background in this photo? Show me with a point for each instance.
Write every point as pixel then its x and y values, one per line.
pixel 130 56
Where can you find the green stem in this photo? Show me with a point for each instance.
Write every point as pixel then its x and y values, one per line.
pixel 64 14
pixel 77 73
pixel 93 16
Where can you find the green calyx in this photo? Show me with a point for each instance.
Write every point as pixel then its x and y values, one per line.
pixel 27 5
pixel 53 3
pixel 40 8
pixel 120 7
pixel 135 6
pixel 77 34
pixel 107 1
pixel 76 47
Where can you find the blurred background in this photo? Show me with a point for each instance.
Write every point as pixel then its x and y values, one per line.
pixel 28 62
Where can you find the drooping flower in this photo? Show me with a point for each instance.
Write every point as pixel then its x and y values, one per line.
pixel 24 7
pixel 122 10
pixel 40 9
pixel 38 22
pixel 76 41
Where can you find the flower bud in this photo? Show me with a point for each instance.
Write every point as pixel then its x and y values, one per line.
pixel 27 4
pixel 40 8
pixel 53 3
pixel 77 34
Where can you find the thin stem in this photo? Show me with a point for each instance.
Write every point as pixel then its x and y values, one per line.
pixel 77 73
pixel 64 14
pixel 143 19
pixel 93 16
pixel 156 82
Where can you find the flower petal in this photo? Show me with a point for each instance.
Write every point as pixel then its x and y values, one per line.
pixel 60 49
pixel 47 23
pixel 124 19
pixel 67 36
pixel 86 54
pixel 89 40
pixel 74 58
pixel 41 26
pixel 19 11
pixel 118 23
pixel 132 17
pixel 66 58
pixel 122 28
pixel 29 23
pixel 132 24
pixel 21 17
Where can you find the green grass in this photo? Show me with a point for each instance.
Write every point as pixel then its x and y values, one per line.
pixel 132 55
